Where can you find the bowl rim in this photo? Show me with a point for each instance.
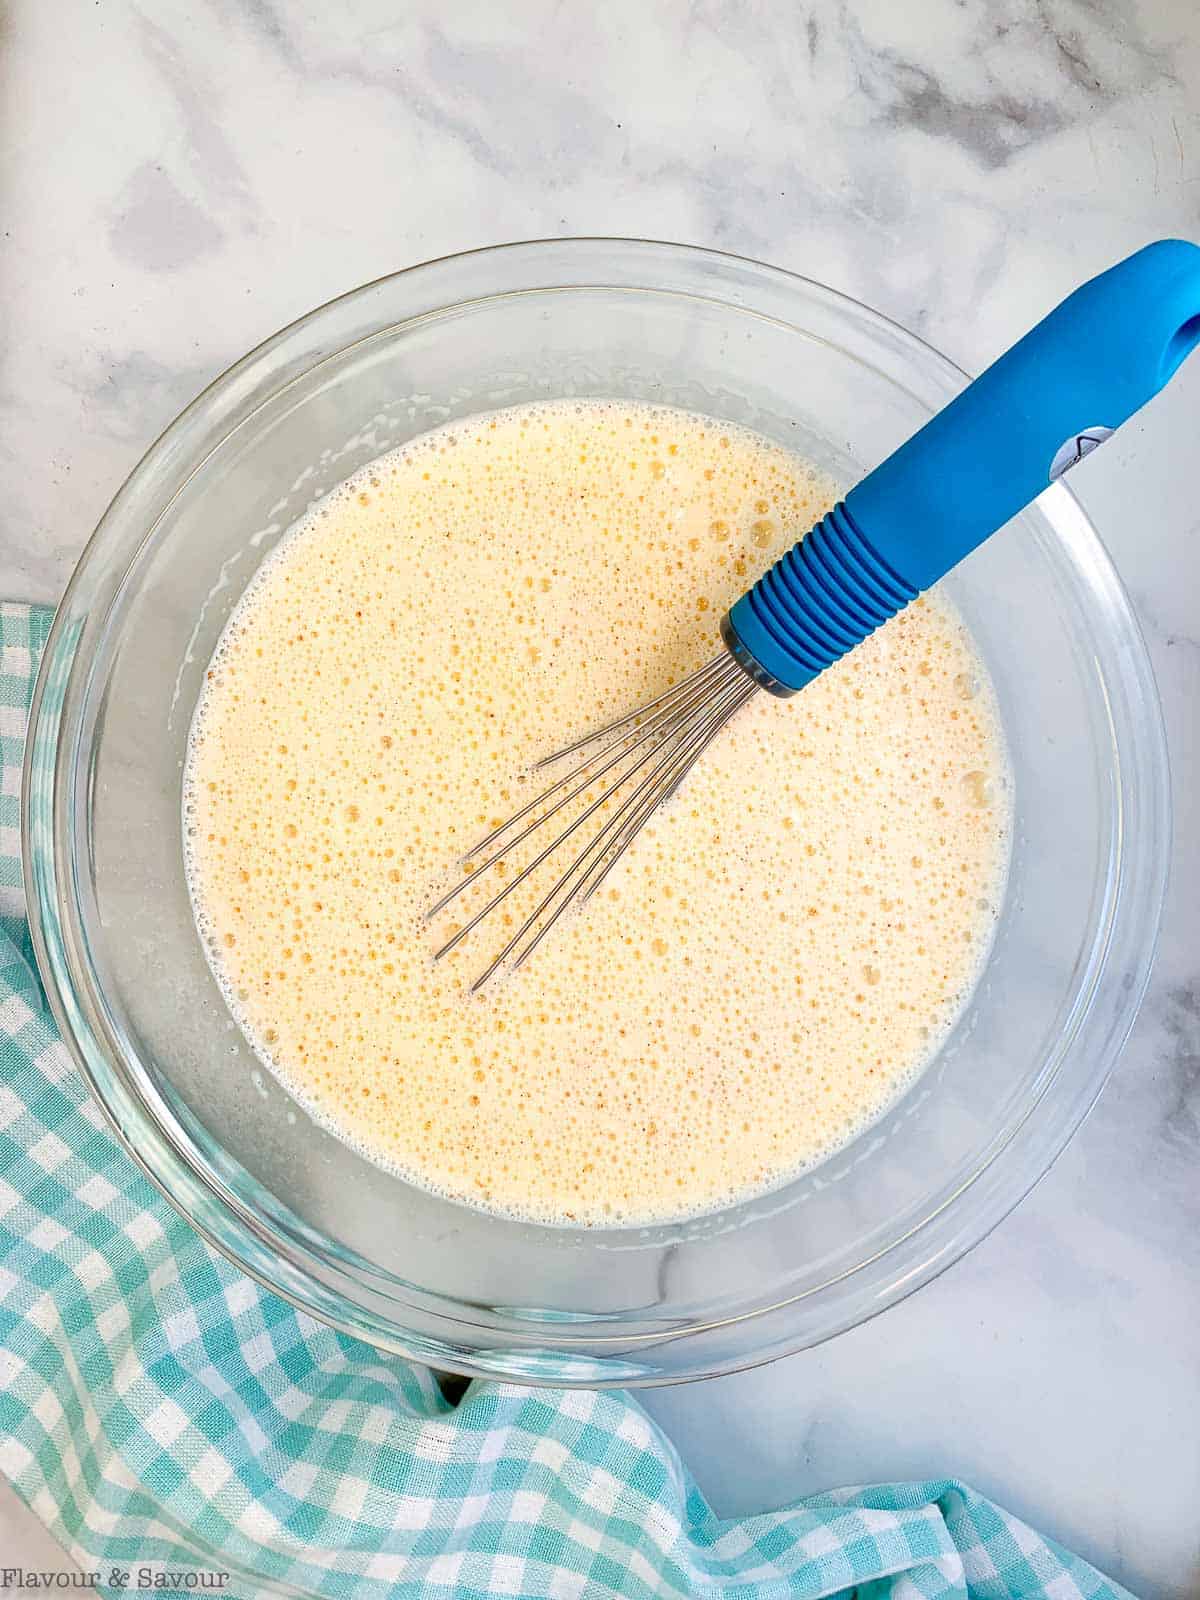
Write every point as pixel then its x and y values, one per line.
pixel 1142 821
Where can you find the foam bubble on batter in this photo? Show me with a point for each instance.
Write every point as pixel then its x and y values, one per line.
pixel 777 958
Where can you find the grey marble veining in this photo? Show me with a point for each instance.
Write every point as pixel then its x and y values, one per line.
pixel 183 177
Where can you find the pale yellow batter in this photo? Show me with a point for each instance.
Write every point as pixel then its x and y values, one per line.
pixel 777 957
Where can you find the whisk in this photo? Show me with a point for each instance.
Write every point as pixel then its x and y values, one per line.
pixel 1038 410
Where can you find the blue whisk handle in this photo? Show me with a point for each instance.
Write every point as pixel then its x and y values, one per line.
pixel 1060 391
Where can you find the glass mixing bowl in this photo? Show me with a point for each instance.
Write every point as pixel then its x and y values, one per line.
pixel 348 1241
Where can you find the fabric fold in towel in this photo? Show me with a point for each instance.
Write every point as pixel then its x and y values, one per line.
pixel 159 1409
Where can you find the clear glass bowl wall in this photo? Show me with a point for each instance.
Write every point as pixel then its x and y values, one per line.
pixel 359 1247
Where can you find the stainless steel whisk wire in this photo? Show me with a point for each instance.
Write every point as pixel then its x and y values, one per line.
pixel 676 728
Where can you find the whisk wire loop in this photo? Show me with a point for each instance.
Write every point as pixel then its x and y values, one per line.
pixel 657 744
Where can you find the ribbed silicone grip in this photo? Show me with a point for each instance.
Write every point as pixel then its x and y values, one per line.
pixel 821 599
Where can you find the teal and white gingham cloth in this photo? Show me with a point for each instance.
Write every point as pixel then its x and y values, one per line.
pixel 159 1410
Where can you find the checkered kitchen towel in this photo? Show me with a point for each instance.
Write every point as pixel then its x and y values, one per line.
pixel 162 1414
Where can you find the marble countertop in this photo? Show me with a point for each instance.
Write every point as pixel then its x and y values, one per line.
pixel 182 178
